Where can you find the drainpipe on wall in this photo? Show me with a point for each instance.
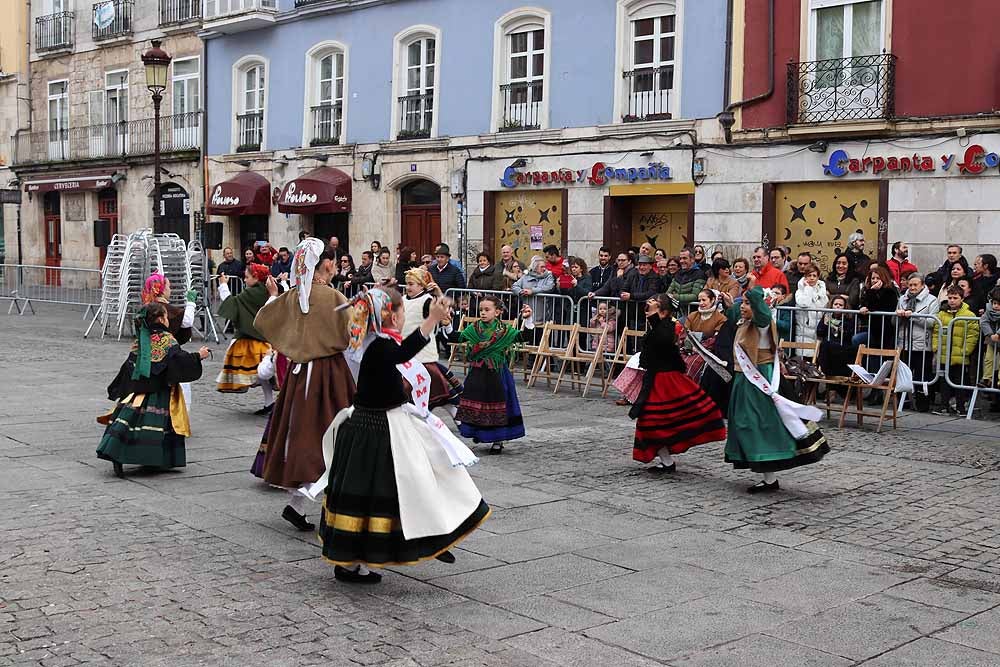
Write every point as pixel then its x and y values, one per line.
pixel 728 71
pixel 728 118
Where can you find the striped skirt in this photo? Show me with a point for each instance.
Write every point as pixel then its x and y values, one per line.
pixel 140 432
pixel 678 415
pixel 239 370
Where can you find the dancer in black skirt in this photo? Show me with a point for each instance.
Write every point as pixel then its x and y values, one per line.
pixel 397 490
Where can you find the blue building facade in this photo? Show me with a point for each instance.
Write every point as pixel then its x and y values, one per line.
pixel 440 80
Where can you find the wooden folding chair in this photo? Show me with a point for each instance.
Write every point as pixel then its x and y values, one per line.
pixel 578 352
pixel 621 356
pixel 549 349
pixel 856 388
pixel 811 388
pixel 458 349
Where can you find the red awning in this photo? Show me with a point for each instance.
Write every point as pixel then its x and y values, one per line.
pixel 246 193
pixel 69 183
pixel 322 190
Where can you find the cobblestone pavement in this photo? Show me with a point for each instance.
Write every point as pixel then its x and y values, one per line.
pixel 887 553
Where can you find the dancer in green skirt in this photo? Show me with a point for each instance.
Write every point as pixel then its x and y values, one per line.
pixel 766 431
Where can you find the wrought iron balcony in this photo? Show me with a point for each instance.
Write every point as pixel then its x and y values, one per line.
pixel 217 9
pixel 120 14
pixel 54 32
pixel 249 131
pixel 521 106
pixel 327 120
pixel 842 89
pixel 416 113
pixel 133 138
pixel 647 94
pixel 174 12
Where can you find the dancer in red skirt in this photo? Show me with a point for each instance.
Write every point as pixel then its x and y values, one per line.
pixel 672 413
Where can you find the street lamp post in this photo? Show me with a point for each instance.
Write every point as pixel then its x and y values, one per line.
pixel 156 61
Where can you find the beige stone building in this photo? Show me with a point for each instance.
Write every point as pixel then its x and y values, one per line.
pixel 86 153
pixel 13 109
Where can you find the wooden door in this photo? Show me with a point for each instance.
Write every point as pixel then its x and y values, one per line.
pixel 52 222
pixel 421 228
pixel 107 209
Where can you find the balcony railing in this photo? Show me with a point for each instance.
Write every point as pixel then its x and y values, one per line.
pixel 326 123
pixel 859 88
pixel 249 131
pixel 54 31
pixel 647 94
pixel 416 112
pixel 118 14
pixel 173 12
pixel 180 132
pixel 215 9
pixel 521 106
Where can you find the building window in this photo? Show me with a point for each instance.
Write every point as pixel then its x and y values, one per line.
pixel 185 120
pixel 649 50
pixel 108 117
pixel 415 82
pixel 326 77
pixel 251 99
pixel 523 40
pixel 846 29
pixel 58 120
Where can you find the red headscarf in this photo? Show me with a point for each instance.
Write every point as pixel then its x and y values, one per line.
pixel 153 289
pixel 259 272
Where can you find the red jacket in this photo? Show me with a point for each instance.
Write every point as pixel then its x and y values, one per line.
pixel 898 269
pixel 265 255
pixel 560 273
pixel 769 277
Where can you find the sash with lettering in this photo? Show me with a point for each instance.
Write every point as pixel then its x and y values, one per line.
pixel 792 414
pixel 420 382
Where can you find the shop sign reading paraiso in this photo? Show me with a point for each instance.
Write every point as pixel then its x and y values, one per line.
pixel 976 160
pixel 599 174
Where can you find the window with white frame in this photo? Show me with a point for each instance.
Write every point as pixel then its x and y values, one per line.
pixel 185 93
pixel 522 69
pixel 108 116
pixel 849 72
pixel 416 101
pixel 251 98
pixel 58 103
pixel 649 53
pixel 325 85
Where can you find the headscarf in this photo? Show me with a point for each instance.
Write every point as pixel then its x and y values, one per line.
pixel 419 275
pixel 144 353
pixel 153 289
pixel 306 258
pixel 259 271
pixel 761 313
pixel 370 308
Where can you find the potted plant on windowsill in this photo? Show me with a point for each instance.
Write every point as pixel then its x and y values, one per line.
pixel 403 135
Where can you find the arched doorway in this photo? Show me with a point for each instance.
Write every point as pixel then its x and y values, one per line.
pixel 175 211
pixel 420 215
pixel 107 209
pixel 52 223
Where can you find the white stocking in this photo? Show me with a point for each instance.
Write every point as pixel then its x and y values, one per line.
pixel 665 456
pixel 297 502
pixel 268 392
pixel 770 478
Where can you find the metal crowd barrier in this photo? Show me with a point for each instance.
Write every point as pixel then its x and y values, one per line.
pixel 27 284
pixel 977 371
pixel 554 308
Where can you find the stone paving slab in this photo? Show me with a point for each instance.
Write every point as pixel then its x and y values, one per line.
pixel 885 554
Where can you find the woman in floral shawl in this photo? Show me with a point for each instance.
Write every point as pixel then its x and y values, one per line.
pixel 489 410
pixel 148 425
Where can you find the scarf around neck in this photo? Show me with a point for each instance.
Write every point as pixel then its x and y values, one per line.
pixel 490 343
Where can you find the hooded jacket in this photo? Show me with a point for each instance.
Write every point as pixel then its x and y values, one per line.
pixel 964 334
pixel 539 284
pixel 914 333
pixel 685 287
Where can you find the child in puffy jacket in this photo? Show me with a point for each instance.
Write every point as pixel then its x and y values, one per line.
pixel 605 317
pixel 964 341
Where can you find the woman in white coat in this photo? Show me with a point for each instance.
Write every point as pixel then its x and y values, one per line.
pixel 810 295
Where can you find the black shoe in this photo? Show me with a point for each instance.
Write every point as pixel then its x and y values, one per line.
pixel 353 577
pixel 764 487
pixel 119 471
pixel 660 469
pixel 995 406
pixel 446 557
pixel 264 411
pixel 298 520
pixel 496 448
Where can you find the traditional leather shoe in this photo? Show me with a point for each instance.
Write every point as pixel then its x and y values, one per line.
pixel 660 469
pixel 264 411
pixel 298 520
pixel 622 401
pixel 354 577
pixel 496 448
pixel 446 557
pixel 119 471
pixel 764 487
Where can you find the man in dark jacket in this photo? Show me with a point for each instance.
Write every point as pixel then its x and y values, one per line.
pixel 445 274
pixel 615 285
pixel 282 264
pixel 954 255
pixel 856 255
pixel 643 283
pixel 231 266
pixel 602 272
